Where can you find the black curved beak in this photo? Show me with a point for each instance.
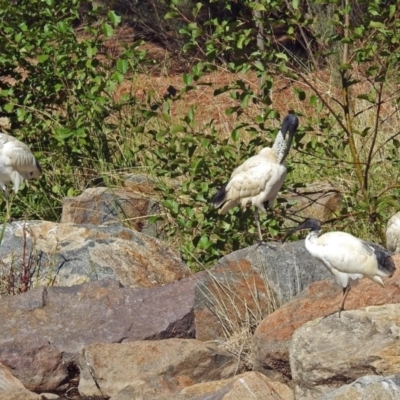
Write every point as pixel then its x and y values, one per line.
pixel 309 223
pixel 290 233
pixel 289 143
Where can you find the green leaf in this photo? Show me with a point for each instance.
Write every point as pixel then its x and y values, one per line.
pixel 62 26
pixel 91 51
pixel 42 58
pixel 171 15
pixel 376 25
pixel 235 135
pixel 122 66
pixel 344 67
pixel 258 7
pixel 21 114
pixel 9 107
pixel 188 79
pixel 204 242
pixel 178 129
pixel 117 76
pixel 114 18
pixel 172 205
pixel 107 30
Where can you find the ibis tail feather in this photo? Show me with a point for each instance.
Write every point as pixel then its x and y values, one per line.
pixel 385 260
pixel 220 197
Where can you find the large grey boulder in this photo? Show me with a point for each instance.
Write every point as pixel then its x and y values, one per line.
pixel 369 387
pixel 64 255
pixel 288 268
pixel 330 352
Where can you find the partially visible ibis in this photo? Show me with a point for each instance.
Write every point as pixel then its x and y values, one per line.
pixel 393 233
pixel 16 164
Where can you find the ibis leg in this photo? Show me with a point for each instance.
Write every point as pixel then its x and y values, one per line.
pixel 7 198
pixel 257 220
pixel 346 291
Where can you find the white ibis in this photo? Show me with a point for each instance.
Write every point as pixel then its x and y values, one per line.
pixel 259 179
pixel 345 256
pixel 393 233
pixel 16 164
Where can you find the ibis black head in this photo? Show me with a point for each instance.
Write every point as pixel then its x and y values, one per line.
pixel 310 223
pixel 289 124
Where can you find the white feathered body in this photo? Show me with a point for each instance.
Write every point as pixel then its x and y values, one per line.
pixel 258 180
pixel 346 256
pixel 16 162
pixel 393 233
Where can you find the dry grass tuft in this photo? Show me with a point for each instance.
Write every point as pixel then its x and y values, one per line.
pixel 239 299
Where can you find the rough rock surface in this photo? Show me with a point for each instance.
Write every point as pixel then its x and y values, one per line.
pixel 97 206
pixel 330 352
pixel 54 320
pixel 166 366
pixel 249 385
pixel 289 268
pixel 65 255
pixel 20 394
pixel 370 387
pixel 34 361
pixel 197 306
pixel 273 336
pixel 11 388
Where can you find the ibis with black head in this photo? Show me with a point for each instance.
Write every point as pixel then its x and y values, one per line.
pixel 346 256
pixel 259 179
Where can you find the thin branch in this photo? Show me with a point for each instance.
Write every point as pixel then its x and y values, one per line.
pixel 326 104
pixel 394 186
pixel 374 137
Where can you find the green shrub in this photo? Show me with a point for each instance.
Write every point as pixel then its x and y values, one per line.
pixel 58 91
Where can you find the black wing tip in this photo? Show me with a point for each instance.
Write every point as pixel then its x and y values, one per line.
pixel 219 197
pixel 385 261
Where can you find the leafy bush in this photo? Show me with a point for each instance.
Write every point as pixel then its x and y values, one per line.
pixel 349 127
pixel 58 91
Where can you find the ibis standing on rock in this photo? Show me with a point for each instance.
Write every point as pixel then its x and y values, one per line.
pixel 345 256
pixel 259 179
pixel 16 164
